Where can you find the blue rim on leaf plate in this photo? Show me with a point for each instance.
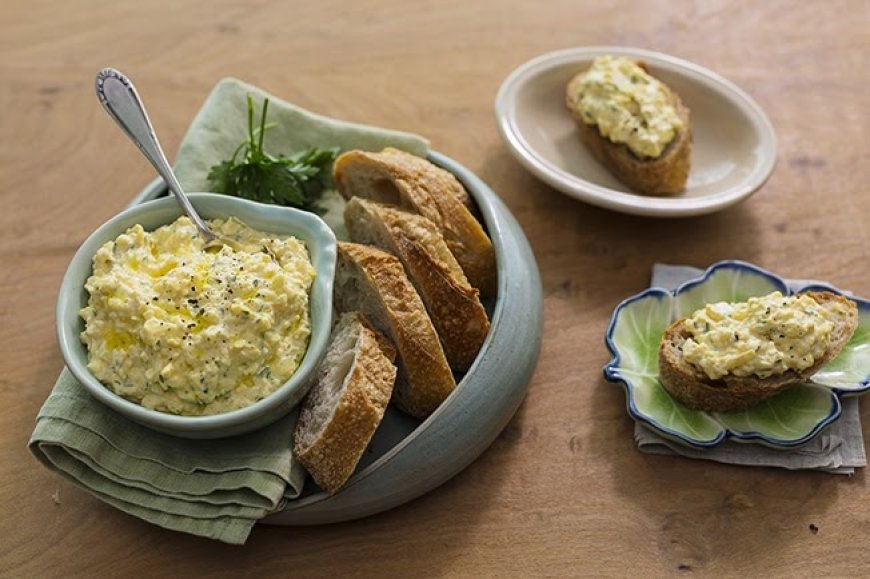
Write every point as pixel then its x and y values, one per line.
pixel 786 421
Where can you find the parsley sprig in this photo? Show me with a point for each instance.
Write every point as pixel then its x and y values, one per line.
pixel 252 173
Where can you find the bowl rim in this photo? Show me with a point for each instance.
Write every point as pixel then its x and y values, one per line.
pixel 321 244
pixel 579 188
pixel 611 369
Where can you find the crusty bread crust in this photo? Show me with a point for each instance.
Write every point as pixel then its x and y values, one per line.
pixel 346 404
pixel 696 390
pixel 399 178
pixel 453 305
pixel 374 282
pixel 665 175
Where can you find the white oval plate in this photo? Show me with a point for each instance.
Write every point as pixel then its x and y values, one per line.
pixel 734 148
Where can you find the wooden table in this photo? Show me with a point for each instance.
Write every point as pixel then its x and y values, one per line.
pixel 563 490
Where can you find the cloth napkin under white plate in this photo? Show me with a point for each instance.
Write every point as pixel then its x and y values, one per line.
pixel 212 488
pixel 839 449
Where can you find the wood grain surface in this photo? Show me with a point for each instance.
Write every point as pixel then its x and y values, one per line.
pixel 562 492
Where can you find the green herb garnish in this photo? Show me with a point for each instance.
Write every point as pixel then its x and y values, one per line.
pixel 297 180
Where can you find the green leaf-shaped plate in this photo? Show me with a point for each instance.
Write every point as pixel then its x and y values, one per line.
pixel 785 421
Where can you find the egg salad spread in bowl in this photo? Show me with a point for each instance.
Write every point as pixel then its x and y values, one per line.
pixel 188 331
pixel 192 341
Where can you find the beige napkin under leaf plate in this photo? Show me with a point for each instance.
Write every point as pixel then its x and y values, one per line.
pixel 211 488
pixel 839 449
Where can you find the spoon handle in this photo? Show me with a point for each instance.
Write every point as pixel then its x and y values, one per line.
pixel 120 99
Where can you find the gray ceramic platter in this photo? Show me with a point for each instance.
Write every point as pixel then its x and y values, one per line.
pixel 407 458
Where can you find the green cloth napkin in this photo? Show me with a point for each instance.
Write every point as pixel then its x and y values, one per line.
pixel 211 488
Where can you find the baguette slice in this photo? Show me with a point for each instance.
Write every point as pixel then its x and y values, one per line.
pixel 453 305
pixel 665 175
pixel 374 282
pixel 696 390
pixel 399 178
pixel 346 404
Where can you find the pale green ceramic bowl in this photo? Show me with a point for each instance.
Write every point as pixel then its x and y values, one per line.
pixel 788 420
pixel 321 244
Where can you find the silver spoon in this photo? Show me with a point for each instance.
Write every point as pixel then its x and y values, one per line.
pixel 120 99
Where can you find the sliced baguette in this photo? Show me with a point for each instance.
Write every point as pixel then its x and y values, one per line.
pixel 453 305
pixel 664 175
pixel 399 178
pixel 374 282
pixel 346 404
pixel 695 389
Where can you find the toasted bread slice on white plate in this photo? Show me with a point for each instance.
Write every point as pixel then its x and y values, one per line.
pixel 374 282
pixel 346 404
pixel 664 173
pixel 399 178
pixel 453 305
pixel 688 383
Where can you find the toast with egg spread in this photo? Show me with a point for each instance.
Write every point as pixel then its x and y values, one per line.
pixel 346 404
pixel 396 177
pixel 728 357
pixel 453 305
pixel 374 282
pixel 633 124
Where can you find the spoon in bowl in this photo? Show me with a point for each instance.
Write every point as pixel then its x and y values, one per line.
pixel 120 99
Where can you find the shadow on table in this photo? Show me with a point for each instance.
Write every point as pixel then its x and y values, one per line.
pixel 609 255
pixel 703 514
pixel 428 533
